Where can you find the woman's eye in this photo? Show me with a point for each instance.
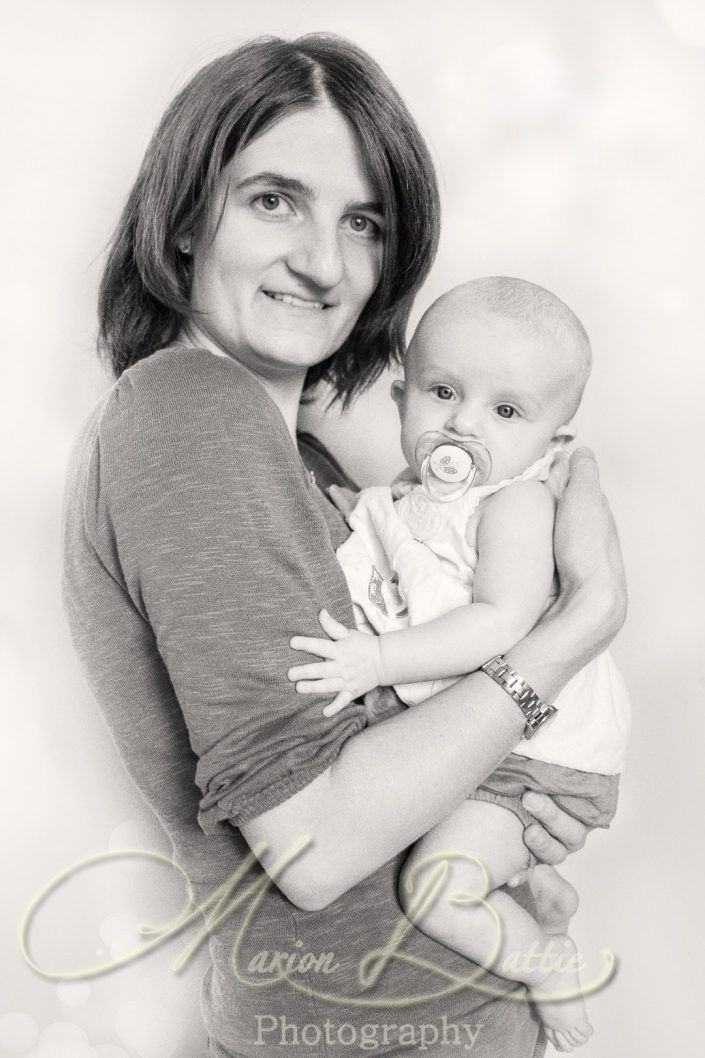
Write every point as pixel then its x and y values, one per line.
pixel 363 226
pixel 271 203
pixel 444 392
pixel 506 411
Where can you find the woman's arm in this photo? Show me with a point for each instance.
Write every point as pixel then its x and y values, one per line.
pixel 512 583
pixel 391 783
pixel 195 504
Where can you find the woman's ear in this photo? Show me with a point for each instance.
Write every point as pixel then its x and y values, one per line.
pixel 564 434
pixel 397 392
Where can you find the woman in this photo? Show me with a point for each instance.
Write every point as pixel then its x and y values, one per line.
pixel 283 220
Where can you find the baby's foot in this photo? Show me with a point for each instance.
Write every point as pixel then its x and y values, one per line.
pixel 555 899
pixel 565 1020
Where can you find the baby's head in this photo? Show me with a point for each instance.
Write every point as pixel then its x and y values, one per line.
pixel 496 360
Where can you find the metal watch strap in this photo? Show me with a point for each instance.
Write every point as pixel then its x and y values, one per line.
pixel 536 712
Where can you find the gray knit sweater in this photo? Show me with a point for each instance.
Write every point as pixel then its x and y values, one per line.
pixel 195 547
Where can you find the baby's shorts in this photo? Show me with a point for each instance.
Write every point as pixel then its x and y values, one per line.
pixel 584 795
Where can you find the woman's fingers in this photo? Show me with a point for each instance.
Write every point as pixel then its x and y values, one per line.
pixel 585 539
pixel 583 463
pixel 555 834
pixel 339 702
pixel 545 848
pixel 344 499
pixel 569 831
pixel 558 474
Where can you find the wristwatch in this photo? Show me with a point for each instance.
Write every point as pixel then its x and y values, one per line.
pixel 536 712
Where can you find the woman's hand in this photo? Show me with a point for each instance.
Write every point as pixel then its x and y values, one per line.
pixel 555 834
pixel 552 837
pixel 353 664
pixel 344 499
pixel 586 545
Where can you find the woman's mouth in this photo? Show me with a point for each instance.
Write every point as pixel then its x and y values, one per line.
pixel 296 302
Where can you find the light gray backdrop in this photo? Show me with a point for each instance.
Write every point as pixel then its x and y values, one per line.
pixel 569 141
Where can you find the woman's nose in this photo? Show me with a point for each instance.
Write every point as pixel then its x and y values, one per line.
pixel 317 254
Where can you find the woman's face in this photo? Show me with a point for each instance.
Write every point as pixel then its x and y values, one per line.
pixel 297 251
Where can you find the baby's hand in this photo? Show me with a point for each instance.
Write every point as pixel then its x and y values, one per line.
pixel 353 666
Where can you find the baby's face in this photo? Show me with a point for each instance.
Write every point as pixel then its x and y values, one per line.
pixel 486 378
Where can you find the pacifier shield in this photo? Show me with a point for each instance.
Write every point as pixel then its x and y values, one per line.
pixel 451 464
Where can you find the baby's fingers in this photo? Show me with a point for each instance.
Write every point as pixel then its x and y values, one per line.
pixel 339 702
pixel 326 686
pixel 323 648
pixel 331 627
pixel 316 670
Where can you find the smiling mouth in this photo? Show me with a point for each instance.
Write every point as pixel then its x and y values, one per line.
pixel 298 303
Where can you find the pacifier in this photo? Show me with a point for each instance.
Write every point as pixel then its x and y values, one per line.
pixel 450 467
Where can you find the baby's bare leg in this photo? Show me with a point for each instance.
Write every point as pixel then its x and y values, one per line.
pixel 475 851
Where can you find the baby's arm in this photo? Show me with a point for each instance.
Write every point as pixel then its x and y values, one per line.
pixel 512 583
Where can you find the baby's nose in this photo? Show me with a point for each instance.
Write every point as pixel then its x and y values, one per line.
pixel 466 422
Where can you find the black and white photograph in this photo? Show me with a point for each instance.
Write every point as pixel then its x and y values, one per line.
pixel 352 654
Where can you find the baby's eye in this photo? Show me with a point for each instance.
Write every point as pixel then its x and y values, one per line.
pixel 506 411
pixel 443 392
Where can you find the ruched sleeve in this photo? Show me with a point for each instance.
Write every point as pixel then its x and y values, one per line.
pixel 199 507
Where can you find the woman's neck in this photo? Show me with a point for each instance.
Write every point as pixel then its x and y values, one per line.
pixel 285 391
pixel 286 394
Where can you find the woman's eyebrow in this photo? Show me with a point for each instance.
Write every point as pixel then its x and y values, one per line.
pixel 290 183
pixel 287 183
pixel 366 207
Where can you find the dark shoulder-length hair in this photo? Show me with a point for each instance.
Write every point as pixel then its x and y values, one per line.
pixel 144 294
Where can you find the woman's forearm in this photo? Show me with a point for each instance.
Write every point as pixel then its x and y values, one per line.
pixel 579 626
pixel 392 782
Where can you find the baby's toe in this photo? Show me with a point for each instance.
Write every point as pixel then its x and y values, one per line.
pixel 563 1042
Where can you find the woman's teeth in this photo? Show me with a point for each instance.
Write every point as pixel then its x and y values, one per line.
pixel 298 303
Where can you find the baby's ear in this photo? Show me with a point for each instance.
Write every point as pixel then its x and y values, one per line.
pixel 397 391
pixel 564 434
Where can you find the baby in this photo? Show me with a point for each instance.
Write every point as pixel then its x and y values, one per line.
pixel 450 576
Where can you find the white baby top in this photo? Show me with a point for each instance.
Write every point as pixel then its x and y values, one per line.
pixel 394 587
